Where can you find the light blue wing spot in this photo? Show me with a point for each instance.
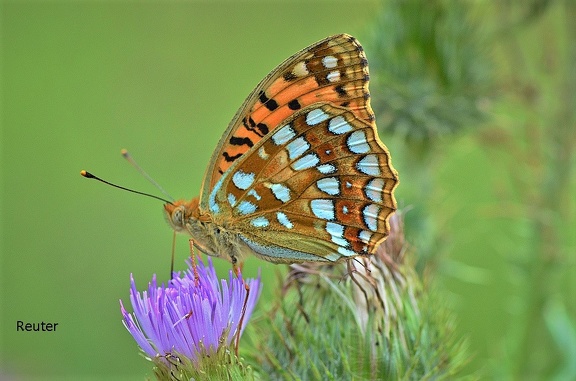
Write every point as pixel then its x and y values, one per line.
pixel 335 229
pixel 284 135
pixel 338 125
pixel 337 233
pixel 297 147
pixel 329 62
pixel 369 165
pixel 333 76
pixel 326 169
pixel 281 192
pixel 342 242
pixel 316 116
pixel 357 142
pixel 283 219
pixel 370 213
pixel 212 203
pixel 263 154
pixel 243 180
pixel 231 199
pixel 323 209
pixel 329 185
pixel 305 162
pixel 246 207
pixel 254 194
pixel 260 222
pixel 374 189
pixel 346 252
pixel 365 236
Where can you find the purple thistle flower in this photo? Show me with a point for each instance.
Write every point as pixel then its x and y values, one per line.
pixel 193 316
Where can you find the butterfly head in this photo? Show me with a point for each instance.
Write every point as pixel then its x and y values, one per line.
pixel 180 212
pixel 186 217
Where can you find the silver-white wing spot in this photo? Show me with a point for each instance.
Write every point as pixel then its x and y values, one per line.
pixel 357 142
pixel 338 125
pixel 370 214
pixel 369 165
pixel 284 220
pixel 284 135
pixel 243 180
pixel 374 188
pixel 323 209
pixel 316 116
pixel 307 161
pixel 329 185
pixel 297 147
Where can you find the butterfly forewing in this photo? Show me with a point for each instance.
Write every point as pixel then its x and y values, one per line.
pixel 334 71
pixel 319 187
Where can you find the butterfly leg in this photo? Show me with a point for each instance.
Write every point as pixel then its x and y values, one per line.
pixel 193 259
pixel 236 267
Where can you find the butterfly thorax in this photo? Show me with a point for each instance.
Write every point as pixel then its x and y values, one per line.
pixel 209 237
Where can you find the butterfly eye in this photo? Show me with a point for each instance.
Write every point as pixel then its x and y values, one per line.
pixel 178 217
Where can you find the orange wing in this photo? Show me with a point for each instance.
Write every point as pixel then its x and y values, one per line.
pixel 332 71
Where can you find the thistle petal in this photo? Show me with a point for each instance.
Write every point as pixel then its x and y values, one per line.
pixel 194 315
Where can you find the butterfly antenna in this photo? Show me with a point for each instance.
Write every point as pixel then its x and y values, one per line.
pixel 131 160
pixel 88 175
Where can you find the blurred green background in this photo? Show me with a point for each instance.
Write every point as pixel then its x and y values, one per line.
pixel 489 182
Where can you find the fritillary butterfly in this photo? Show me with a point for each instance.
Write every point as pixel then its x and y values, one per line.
pixel 300 174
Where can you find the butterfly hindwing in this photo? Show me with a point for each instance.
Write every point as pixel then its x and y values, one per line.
pixel 317 188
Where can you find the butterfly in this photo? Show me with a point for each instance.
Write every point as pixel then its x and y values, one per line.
pixel 300 173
